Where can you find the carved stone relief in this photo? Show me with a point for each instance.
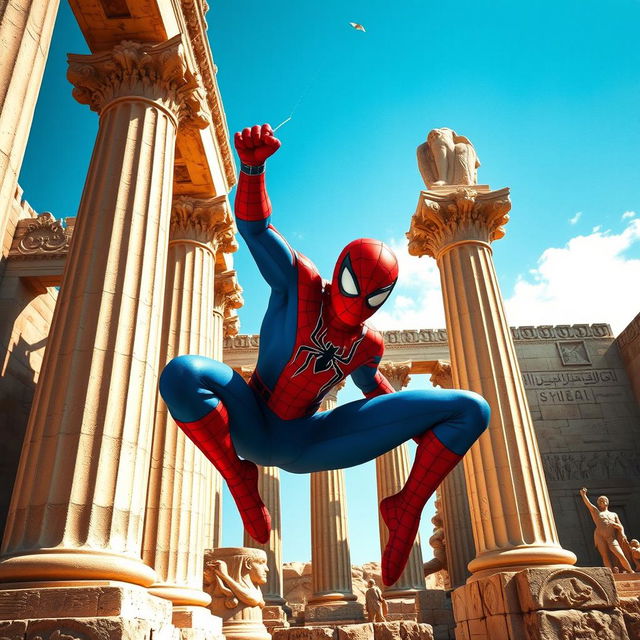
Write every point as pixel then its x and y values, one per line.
pixel 590 465
pixel 573 353
pixel 43 237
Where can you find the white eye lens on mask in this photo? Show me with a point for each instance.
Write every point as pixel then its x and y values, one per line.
pixel 347 283
pixel 377 299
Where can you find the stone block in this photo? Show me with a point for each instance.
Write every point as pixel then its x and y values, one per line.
pixel 334 612
pixel 467 602
pixel 462 631
pixel 432 599
pixel 443 632
pixel 574 588
pixel 197 619
pixel 410 630
pixel 356 631
pixel 570 624
pixel 630 608
pixel 477 629
pixel 386 630
pixel 13 630
pixel 627 584
pixel 304 633
pixel 92 628
pixel 499 594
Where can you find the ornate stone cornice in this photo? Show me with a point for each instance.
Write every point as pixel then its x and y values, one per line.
pixel 397 373
pixel 194 12
pixel 443 220
pixel 41 237
pixel 155 72
pixel 228 293
pixel 441 375
pixel 206 220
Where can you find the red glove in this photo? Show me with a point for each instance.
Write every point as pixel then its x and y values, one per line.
pixel 254 145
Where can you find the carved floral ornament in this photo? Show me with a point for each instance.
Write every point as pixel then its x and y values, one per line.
pixel 228 292
pixel 441 375
pixel 157 72
pixel 43 236
pixel 231 326
pixel 208 220
pixel 397 373
pixel 465 215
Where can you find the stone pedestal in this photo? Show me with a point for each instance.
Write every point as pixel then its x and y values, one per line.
pixel 174 524
pixel 196 623
pixel 107 611
pixel 77 510
pixel 232 578
pixel 540 604
pixel 511 513
pixel 392 471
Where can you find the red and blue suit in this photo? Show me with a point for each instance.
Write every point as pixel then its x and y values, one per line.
pixel 313 335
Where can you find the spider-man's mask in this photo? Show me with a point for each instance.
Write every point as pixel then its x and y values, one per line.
pixel 363 278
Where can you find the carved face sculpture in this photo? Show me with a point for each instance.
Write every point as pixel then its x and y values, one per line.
pixel 603 503
pixel 365 274
pixel 258 571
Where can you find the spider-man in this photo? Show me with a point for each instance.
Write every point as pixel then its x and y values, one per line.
pixel 313 335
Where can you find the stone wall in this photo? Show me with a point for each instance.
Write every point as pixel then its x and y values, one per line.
pixel 629 345
pixel 587 423
pixel 24 327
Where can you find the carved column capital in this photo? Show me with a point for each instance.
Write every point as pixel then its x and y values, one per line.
pixel 443 220
pixel 246 372
pixel 441 375
pixel 206 220
pixel 397 373
pixel 332 394
pixel 228 293
pixel 139 70
pixel 231 326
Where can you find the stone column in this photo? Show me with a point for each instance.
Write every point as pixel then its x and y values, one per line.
pixel 26 27
pixel 333 598
pixel 77 510
pixel 513 524
pixel 454 501
pixel 392 471
pixel 174 526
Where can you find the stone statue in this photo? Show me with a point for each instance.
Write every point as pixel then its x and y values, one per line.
pixel 609 534
pixel 232 578
pixel 447 158
pixel 376 605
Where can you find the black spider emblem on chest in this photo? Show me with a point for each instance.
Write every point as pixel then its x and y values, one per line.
pixel 326 355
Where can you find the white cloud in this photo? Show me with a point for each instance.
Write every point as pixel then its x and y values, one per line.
pixel 628 214
pixel 417 299
pixel 575 218
pixel 588 280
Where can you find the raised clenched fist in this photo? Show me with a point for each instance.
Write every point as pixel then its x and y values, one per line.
pixel 254 145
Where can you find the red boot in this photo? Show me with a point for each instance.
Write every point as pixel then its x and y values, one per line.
pixel 401 512
pixel 211 435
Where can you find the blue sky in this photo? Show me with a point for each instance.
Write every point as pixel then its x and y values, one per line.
pixel 548 92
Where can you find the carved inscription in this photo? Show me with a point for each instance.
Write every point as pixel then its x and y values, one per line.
pixel 569 379
pixel 590 465
pixel 565 396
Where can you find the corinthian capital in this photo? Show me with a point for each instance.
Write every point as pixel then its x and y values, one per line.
pixel 397 373
pixel 206 220
pixel 441 375
pixel 155 72
pixel 231 326
pixel 228 293
pixel 457 217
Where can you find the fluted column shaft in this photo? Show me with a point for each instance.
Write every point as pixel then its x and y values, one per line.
pixel 392 471
pixel 269 488
pixel 330 554
pixel 511 513
pixel 174 535
pixel 26 27
pixel 454 502
pixel 78 506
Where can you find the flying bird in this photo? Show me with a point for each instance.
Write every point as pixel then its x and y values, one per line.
pixel 357 27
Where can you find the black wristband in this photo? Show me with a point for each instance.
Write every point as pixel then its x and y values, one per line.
pixel 252 169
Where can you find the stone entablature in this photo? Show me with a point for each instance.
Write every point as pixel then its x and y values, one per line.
pixel 244 347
